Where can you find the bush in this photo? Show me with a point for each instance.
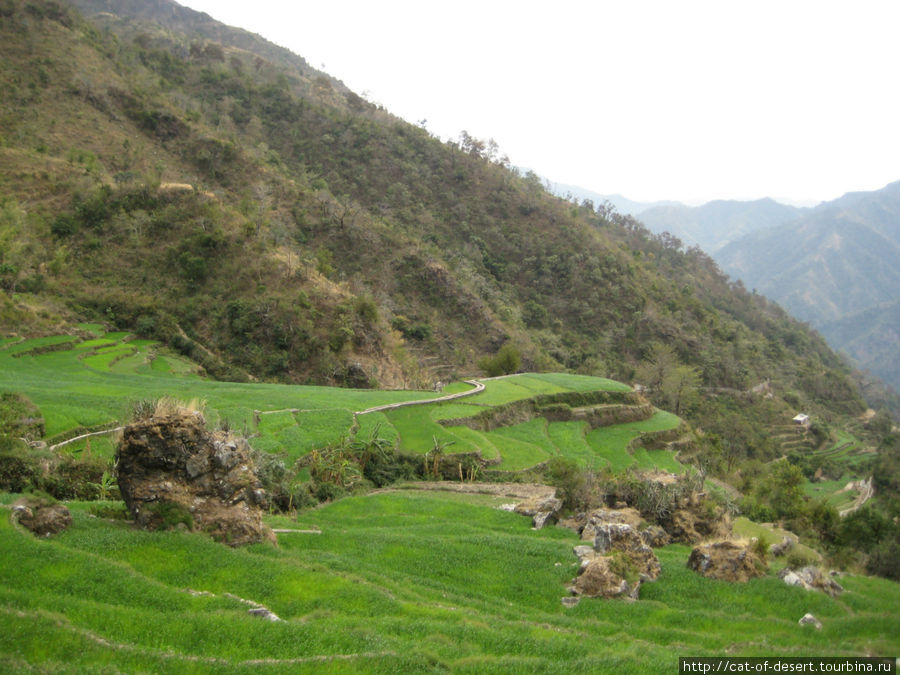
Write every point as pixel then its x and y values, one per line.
pixel 573 484
pixel 884 560
pixel 506 362
pixel 17 474
pixel 797 559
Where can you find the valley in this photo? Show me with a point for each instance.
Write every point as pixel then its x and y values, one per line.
pixel 437 391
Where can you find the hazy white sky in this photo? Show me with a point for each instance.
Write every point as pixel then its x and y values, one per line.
pixel 653 99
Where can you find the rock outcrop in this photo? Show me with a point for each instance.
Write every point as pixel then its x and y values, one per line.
pixel 171 469
pixel 543 510
pixel 693 522
pixel 782 547
pixel 812 579
pixel 726 560
pixel 596 519
pixel 40 517
pixel 616 565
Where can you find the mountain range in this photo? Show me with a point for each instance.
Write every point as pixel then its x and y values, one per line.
pixel 835 265
pixel 199 186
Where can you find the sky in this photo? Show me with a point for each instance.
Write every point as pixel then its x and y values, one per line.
pixel 651 99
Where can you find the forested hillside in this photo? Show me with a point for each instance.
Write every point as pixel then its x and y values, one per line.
pixel 259 217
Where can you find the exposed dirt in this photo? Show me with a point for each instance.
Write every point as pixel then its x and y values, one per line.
pixel 522 491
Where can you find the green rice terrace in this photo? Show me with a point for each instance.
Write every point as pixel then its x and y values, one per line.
pixel 396 580
pixel 85 386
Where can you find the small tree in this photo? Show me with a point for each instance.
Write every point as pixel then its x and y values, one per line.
pixel 506 362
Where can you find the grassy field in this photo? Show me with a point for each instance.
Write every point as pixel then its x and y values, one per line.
pixel 396 581
pixel 86 385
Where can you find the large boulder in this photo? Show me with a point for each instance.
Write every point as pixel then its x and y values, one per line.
pixel 599 517
pixel 627 540
pixel 543 510
pixel 171 469
pixel 598 579
pixel 41 517
pixel 726 560
pixel 812 579
pixel 690 524
pixel 616 565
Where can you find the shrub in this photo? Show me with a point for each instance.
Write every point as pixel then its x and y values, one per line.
pixel 884 560
pixel 506 362
pixel 573 484
pixel 797 559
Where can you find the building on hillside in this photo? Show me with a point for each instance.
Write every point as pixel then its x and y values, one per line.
pixel 801 419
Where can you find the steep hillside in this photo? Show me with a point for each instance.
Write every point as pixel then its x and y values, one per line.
pixel 717 223
pixel 267 222
pixel 830 266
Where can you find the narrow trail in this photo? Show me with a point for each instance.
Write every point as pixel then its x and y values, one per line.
pixel 479 387
pixel 865 489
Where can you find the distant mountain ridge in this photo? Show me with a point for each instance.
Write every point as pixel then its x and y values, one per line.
pixel 717 223
pixel 834 265
pixel 838 267
pixel 622 204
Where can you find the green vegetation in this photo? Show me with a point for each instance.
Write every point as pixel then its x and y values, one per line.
pixel 281 248
pixel 459 586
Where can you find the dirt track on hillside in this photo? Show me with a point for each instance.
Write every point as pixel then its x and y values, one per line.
pixel 515 490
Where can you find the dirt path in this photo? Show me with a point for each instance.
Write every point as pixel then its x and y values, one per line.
pixel 514 490
pixel 479 387
pixel 866 492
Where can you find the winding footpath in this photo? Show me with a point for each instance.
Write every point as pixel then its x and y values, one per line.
pixel 479 387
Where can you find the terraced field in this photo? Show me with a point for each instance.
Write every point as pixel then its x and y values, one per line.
pixel 86 385
pixel 395 582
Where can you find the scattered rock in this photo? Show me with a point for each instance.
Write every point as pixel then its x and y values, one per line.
pixel 655 537
pixel 597 580
pixel 584 553
pixel 624 538
pixel 533 506
pixel 570 600
pixel 812 579
pixel 41 517
pixel 596 519
pixel 691 524
pixel 542 518
pixel 726 560
pixel 616 565
pixel 171 469
pixel 263 613
pixel 782 547
pixel 809 620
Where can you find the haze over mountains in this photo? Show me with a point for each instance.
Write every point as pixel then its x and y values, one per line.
pixel 835 265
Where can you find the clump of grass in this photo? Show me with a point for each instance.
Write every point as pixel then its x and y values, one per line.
pixel 169 515
pixel 146 408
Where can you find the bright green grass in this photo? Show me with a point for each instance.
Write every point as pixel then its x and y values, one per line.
pixel 417 430
pixel 70 394
pixel 515 388
pixel 373 423
pixel 523 445
pixel 95 328
pixel 569 440
pixel 396 582
pixel 580 382
pixel 102 360
pixel 746 529
pixel 662 460
pixel 454 410
pixel 295 434
pixel 476 439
